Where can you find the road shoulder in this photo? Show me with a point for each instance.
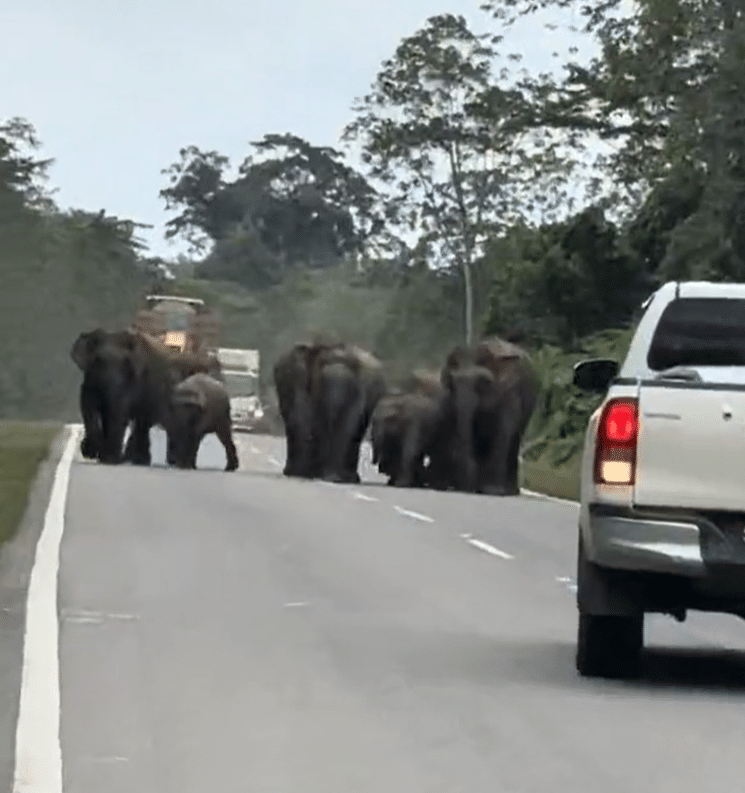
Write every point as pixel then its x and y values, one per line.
pixel 16 562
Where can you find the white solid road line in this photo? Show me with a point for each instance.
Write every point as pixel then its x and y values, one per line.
pixel 416 515
pixel 484 546
pixel 38 755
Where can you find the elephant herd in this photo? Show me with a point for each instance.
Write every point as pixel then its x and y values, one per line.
pixel 457 429
pixel 131 380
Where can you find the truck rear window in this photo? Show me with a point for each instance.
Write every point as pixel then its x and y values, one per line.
pixel 699 331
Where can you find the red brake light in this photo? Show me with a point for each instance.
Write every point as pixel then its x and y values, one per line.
pixel 620 422
pixel 615 452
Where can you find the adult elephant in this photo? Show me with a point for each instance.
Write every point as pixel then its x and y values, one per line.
pixel 492 393
pixel 327 390
pixel 199 405
pixel 127 377
pixel 293 376
pixel 406 428
pixel 347 383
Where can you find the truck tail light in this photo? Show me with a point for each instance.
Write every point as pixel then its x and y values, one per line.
pixel 615 451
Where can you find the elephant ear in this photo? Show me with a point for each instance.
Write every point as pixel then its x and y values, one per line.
pixel 85 347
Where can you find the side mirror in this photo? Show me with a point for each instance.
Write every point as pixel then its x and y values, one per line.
pixel 595 374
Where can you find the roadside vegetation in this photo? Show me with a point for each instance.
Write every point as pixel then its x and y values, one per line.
pixel 23 447
pixel 481 199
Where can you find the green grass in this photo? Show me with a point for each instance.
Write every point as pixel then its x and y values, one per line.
pixel 561 482
pixel 23 447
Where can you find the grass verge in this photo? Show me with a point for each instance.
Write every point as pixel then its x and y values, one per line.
pixel 23 447
pixel 558 481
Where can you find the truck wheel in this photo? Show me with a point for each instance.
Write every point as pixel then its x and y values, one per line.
pixel 609 646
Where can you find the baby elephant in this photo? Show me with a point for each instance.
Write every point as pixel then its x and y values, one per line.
pixel 199 405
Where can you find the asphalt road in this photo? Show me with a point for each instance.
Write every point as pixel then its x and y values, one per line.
pixel 246 632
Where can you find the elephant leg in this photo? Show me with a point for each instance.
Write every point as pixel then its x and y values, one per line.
pixel 139 438
pixel 114 425
pixel 411 456
pixel 344 450
pixel 90 446
pixel 512 481
pixel 193 454
pixel 291 463
pixel 171 449
pixel 493 471
pixel 226 438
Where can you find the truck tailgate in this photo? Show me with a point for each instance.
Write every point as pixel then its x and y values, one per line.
pixel 691 446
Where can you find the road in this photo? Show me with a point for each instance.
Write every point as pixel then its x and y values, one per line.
pixel 246 632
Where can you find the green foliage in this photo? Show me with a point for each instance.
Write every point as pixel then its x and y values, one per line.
pixel 556 433
pixel 62 272
pixel 449 176
pixel 23 447
pixel 293 205
pixel 564 281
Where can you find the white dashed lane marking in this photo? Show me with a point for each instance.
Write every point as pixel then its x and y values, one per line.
pixel 473 541
pixel 416 515
pixel 363 497
pixel 485 547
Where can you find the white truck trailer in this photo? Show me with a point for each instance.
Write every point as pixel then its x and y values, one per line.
pixel 240 369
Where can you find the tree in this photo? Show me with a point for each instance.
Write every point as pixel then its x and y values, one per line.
pixel 22 176
pixel 564 281
pixel 667 88
pixel 196 184
pixel 450 174
pixel 292 205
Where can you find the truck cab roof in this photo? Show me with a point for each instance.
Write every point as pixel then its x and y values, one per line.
pixel 698 324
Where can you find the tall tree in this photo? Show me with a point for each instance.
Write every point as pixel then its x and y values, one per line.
pixel 22 176
pixel 451 176
pixel 291 205
pixel 667 88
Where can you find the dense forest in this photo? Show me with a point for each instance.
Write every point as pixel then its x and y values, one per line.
pixel 482 199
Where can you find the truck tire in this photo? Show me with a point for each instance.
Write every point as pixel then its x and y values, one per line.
pixel 609 646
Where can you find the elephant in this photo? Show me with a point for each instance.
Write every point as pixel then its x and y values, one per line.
pixel 346 385
pixel 327 390
pixel 127 378
pixel 492 393
pixel 406 428
pixel 292 373
pixel 198 406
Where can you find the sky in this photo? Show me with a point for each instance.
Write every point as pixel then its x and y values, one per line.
pixel 115 89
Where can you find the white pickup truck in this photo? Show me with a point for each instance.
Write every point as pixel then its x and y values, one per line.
pixel 662 504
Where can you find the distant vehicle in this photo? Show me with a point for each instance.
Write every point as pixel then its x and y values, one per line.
pixel 240 369
pixel 662 501
pixel 184 324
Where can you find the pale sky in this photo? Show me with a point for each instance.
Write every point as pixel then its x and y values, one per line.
pixel 116 88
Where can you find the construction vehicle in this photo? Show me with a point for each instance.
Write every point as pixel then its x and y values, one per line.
pixel 240 370
pixel 184 324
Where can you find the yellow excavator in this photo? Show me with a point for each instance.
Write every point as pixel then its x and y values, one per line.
pixel 184 324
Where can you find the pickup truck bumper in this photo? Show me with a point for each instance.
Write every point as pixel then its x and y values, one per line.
pixel 638 540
